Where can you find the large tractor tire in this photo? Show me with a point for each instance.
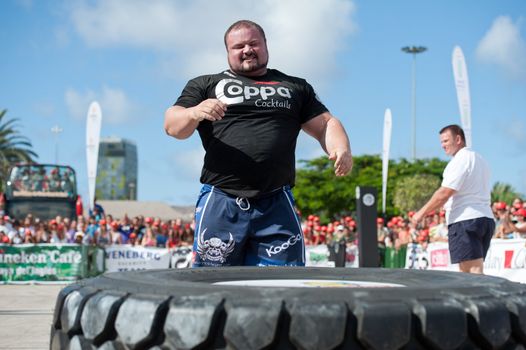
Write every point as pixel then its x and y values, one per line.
pixel 290 308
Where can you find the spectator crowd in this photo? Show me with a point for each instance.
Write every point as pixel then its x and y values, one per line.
pixel 399 231
pixel 98 229
pixel 102 229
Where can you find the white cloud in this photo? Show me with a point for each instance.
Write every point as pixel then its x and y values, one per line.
pixel 304 37
pixel 115 105
pixel 504 46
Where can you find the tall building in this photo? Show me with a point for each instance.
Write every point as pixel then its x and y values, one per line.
pixel 116 170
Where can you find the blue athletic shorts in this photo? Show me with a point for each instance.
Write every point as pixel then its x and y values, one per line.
pixel 235 231
pixel 470 239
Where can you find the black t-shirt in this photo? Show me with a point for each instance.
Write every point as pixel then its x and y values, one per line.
pixel 251 150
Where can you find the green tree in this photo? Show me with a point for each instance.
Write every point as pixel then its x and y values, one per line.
pixel 412 192
pixel 503 192
pixel 319 191
pixel 14 147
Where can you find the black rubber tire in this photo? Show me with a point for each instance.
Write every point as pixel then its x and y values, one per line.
pixel 183 309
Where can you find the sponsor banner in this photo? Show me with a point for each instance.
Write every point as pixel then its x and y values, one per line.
pixel 318 255
pixel 393 257
pixel 181 257
pixel 128 258
pixel 416 257
pixel 506 258
pixel 26 263
pixel 352 256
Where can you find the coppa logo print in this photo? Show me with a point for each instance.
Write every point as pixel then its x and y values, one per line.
pixel 264 95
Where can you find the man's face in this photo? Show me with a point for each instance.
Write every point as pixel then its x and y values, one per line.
pixel 247 51
pixel 451 144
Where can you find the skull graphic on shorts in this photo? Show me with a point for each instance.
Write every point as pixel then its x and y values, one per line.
pixel 214 249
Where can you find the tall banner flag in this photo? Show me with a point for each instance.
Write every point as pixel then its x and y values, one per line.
pixel 385 154
pixel 92 147
pixel 460 72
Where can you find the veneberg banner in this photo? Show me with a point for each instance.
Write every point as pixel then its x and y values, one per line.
pixel 93 125
pixel 460 72
pixel 128 258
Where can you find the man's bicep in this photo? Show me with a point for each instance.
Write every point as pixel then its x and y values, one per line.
pixel 447 191
pixel 316 126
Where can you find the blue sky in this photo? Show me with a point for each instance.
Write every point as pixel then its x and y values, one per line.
pixel 134 57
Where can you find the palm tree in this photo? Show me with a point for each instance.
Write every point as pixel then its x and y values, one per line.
pixel 503 192
pixel 14 147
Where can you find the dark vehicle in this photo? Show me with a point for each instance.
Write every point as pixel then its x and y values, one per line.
pixel 44 190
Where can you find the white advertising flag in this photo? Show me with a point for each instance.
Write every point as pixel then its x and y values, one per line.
pixel 462 86
pixel 385 154
pixel 92 147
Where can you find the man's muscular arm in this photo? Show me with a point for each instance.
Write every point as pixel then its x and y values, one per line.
pixel 181 122
pixel 332 137
pixel 436 202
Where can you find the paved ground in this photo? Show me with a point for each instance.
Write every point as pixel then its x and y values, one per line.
pixel 26 312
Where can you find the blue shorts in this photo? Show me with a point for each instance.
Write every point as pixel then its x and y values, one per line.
pixel 470 239
pixel 230 231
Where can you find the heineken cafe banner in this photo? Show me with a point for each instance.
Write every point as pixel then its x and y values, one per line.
pixel 42 262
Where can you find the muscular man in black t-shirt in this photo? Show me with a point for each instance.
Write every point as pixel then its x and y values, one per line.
pixel 249 118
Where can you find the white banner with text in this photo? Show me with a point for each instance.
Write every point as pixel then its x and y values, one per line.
pixel 506 258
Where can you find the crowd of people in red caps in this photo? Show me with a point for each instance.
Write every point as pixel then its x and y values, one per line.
pixel 399 230
pixel 103 229
pixel 100 230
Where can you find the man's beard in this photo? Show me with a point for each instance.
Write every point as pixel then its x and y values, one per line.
pixel 253 66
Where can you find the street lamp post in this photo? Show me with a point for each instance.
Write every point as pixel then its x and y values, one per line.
pixel 131 194
pixel 414 50
pixel 56 130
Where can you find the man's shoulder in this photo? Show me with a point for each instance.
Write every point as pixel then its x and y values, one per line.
pixel 212 77
pixel 468 154
pixel 468 151
pixel 279 74
pixel 218 75
pixel 462 155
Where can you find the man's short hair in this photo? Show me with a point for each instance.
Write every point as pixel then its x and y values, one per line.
pixel 455 130
pixel 245 23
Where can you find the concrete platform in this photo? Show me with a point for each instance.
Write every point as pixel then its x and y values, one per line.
pixel 26 313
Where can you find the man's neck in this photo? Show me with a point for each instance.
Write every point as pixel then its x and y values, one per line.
pixel 251 74
pixel 461 147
